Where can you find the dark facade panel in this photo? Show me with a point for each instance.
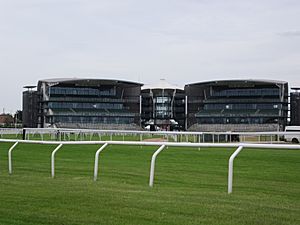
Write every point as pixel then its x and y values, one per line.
pixel 30 109
pixel 295 108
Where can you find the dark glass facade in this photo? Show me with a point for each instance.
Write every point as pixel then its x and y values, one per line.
pixel 86 103
pixel 237 102
pixel 30 108
pixel 163 108
pixel 295 107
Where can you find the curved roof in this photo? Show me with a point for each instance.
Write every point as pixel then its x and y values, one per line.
pixel 162 84
pixel 239 81
pixel 74 80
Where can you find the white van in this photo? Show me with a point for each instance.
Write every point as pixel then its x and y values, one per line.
pixel 292 134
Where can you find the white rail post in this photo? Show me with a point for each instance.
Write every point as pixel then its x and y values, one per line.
pixel 230 168
pixel 141 139
pixel 151 180
pixel 10 159
pixel 271 139
pixel 53 160
pixel 97 160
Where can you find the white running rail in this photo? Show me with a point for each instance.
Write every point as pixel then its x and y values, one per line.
pixel 162 145
pixel 178 136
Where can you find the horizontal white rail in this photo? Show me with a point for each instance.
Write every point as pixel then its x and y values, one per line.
pixel 169 144
pixel 68 130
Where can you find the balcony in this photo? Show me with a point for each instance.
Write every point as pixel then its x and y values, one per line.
pixel 94 100
pixel 238 113
pixel 243 100
pixel 88 113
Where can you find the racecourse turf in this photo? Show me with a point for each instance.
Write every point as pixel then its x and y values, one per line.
pixel 190 186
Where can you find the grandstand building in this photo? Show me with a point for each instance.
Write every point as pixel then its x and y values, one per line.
pixel 88 103
pixel 224 105
pixel 163 106
pixel 237 105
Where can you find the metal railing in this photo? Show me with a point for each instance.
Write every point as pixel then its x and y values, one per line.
pixel 162 145
pixel 176 136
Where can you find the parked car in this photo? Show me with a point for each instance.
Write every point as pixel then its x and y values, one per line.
pixel 292 134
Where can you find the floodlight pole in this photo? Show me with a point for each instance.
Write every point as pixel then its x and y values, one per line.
pixel 230 168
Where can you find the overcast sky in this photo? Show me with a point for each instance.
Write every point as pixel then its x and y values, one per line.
pixel 182 41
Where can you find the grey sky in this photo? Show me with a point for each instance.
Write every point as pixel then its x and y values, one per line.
pixel 181 40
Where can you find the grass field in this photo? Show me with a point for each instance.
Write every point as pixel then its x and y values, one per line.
pixel 190 186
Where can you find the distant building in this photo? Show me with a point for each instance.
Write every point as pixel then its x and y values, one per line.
pixel 83 103
pixel 6 120
pixel 295 107
pixel 237 105
pixel 163 106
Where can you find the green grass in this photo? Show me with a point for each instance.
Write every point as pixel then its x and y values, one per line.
pixel 190 186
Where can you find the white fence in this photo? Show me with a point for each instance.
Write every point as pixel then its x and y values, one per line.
pixel 162 145
pixel 64 134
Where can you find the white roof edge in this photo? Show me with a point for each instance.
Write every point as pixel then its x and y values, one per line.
pixel 240 80
pixel 162 84
pixel 55 80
